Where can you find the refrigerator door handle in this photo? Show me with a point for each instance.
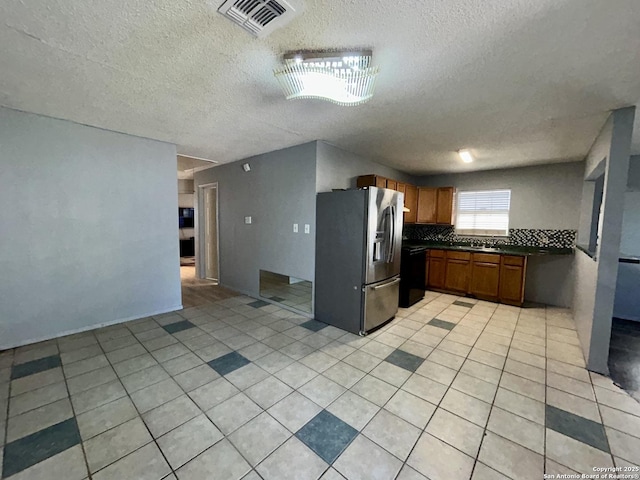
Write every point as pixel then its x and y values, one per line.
pixel 392 234
pixel 385 285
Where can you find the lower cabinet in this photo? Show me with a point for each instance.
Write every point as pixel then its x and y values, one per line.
pixel 437 269
pixel 492 277
pixel 485 276
pixel 512 271
pixel 457 272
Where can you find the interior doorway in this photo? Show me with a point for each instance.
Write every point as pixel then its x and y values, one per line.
pixel 208 255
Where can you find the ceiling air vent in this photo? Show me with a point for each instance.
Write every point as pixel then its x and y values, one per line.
pixel 258 17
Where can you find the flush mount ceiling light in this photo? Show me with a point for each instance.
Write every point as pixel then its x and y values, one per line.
pixel 466 156
pixel 344 78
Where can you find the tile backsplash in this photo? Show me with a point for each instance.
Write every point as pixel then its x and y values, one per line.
pixel 522 237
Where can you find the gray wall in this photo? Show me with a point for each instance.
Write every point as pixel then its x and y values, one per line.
pixel 88 228
pixel 545 197
pixel 337 168
pixel 278 192
pixel 596 277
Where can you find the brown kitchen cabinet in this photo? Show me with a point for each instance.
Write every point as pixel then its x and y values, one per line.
pixel 411 202
pixel 444 206
pixel 371 181
pixel 437 269
pixel 427 205
pixel 435 205
pixel 493 277
pixel 512 274
pixel 392 184
pixel 485 276
pixel 457 272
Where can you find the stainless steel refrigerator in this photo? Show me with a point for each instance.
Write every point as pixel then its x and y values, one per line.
pixel 358 241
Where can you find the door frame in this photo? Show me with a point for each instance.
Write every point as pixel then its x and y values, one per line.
pixel 201 233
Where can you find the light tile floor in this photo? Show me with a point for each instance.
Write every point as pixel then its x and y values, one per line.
pixel 237 388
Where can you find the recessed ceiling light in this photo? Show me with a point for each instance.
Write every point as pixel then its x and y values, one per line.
pixel 466 156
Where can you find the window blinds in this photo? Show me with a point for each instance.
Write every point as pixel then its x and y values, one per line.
pixel 483 213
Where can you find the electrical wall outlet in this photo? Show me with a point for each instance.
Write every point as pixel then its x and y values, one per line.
pixel 307 228
pixel 247 220
pixel 295 228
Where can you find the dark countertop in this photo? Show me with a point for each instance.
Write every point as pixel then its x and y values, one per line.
pixel 500 249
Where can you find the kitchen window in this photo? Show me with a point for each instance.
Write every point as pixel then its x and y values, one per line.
pixel 483 212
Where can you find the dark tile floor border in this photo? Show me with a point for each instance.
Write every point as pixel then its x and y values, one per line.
pixel 258 304
pixel 32 449
pixel 35 366
pixel 228 363
pixel 461 303
pixel 577 427
pixel 327 436
pixel 314 325
pixel 178 326
pixel 436 322
pixel 405 360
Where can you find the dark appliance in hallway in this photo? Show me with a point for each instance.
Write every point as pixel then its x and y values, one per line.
pixel 412 275
pixel 624 355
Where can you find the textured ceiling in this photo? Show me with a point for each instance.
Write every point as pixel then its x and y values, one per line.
pixel 519 82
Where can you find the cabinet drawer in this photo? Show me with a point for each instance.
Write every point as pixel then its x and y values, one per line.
pixel 459 255
pixel 486 258
pixel 513 260
pixel 436 253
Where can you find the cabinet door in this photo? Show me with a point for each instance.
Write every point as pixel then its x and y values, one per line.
pixel 444 214
pixel 411 202
pixel 437 269
pixel 427 198
pixel 366 181
pixel 485 280
pixel 381 182
pixel 457 275
pixel 401 187
pixel 392 184
pixel 512 283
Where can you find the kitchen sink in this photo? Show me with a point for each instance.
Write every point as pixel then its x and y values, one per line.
pixel 484 249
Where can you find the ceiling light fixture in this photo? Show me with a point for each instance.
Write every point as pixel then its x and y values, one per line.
pixel 344 78
pixel 466 156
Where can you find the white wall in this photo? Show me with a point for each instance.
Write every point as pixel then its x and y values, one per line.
pixel 337 168
pixel 87 228
pixel 596 277
pixel 278 192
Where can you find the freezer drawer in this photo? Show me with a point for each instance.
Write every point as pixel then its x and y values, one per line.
pixel 380 302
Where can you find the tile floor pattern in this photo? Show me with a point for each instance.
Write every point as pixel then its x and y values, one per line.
pixel 231 389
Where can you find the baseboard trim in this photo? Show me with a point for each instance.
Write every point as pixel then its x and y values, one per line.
pixel 92 327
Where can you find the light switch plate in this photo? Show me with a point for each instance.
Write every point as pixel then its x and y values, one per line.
pixel 307 228
pixel 247 220
pixel 295 228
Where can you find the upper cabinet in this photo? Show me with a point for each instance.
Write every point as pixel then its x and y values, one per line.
pixel 435 205
pixel 371 181
pixel 425 204
pixel 427 200
pixel 411 202
pixel 444 206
